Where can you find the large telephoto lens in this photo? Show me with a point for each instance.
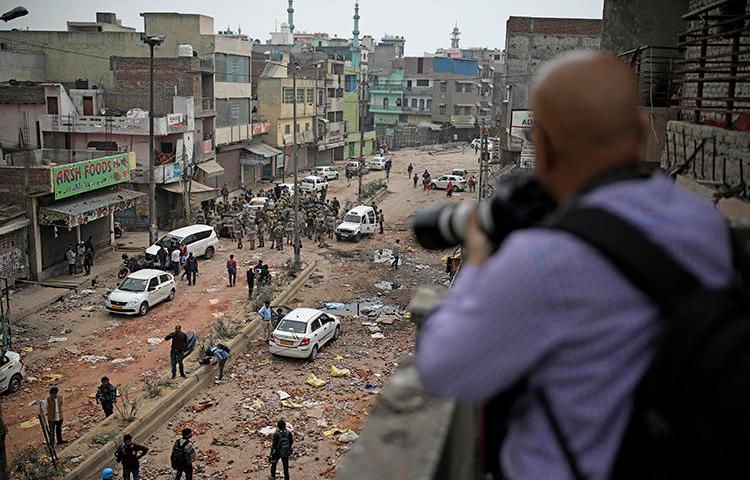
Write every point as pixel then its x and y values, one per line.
pixel 442 226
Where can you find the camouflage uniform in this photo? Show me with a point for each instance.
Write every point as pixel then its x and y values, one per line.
pixel 261 232
pixel 250 231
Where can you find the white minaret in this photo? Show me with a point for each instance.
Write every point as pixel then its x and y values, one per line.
pixel 290 11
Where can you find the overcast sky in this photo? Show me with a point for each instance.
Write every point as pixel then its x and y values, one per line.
pixel 425 23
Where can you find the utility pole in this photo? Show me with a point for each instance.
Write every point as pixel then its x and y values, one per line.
pixel 153 231
pixel 483 165
pixel 294 161
pixel 362 100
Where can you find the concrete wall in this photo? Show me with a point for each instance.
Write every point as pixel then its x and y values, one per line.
pixel 14 259
pixel 22 66
pixel 530 42
pixel 16 118
pixel 630 24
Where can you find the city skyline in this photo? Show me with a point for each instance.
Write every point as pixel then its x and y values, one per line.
pixel 386 17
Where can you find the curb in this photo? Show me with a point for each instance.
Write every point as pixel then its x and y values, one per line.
pixel 158 414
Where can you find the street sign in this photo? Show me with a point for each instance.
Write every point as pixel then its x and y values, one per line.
pixel 79 177
pixel 522 122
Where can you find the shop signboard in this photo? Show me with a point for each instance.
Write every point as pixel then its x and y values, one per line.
pixel 80 177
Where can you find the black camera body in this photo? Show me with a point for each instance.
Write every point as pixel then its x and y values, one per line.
pixel 519 202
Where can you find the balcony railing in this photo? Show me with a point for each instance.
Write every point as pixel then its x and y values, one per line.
pixel 385 108
pixel 414 90
pixel 106 125
pixel 207 104
pixel 418 110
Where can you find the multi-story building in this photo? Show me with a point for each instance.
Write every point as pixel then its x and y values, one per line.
pixel 387 103
pixel 85 51
pixel 275 88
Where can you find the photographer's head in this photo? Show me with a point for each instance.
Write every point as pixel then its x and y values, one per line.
pixel 586 119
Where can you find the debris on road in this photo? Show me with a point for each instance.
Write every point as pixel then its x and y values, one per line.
pixel 292 404
pixel 377 336
pixel 127 359
pixel 92 358
pixel 314 381
pixel 57 339
pixel 334 305
pixel 32 422
pixel 283 395
pixel 200 406
pixel 154 341
pixel 213 301
pixel 340 372
pixel 348 437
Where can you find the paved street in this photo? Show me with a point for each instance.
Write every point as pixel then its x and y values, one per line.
pixel 98 343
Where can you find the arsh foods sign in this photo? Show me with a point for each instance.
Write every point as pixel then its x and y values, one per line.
pixel 74 178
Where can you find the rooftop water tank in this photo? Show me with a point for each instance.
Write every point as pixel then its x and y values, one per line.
pixel 185 51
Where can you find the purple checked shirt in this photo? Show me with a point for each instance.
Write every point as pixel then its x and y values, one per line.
pixel 547 306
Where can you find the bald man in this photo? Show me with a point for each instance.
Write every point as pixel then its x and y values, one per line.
pixel 550 309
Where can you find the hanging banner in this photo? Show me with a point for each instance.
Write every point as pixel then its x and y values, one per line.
pixel 80 177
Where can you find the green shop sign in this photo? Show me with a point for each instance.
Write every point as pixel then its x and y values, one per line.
pixel 80 177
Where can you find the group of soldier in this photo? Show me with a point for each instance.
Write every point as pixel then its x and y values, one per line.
pixel 274 222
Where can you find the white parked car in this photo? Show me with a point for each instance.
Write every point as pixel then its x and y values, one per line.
pixel 201 241
pixel 302 333
pixel 12 372
pixel 329 173
pixel 477 143
pixel 257 203
pixel 140 291
pixel 460 172
pixel 313 184
pixel 376 163
pixel 358 222
pixel 459 183
pixel 354 167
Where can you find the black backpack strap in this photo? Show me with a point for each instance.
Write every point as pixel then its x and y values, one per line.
pixel 648 266
pixel 570 457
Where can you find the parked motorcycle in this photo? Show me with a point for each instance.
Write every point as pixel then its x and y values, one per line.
pixel 133 264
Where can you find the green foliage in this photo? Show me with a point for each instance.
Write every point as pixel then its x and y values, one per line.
pixel 370 189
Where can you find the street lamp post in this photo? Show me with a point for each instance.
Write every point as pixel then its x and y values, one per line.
pixel 153 231
pixel 295 146
pixel 13 14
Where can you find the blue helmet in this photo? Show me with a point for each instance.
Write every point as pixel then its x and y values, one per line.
pixel 108 474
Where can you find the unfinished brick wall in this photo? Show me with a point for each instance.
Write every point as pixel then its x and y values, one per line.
pixel 720 89
pixel 722 161
pixel 172 76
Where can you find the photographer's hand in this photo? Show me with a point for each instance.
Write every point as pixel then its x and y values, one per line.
pixel 477 248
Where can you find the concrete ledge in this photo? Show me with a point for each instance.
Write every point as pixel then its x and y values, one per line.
pixel 161 411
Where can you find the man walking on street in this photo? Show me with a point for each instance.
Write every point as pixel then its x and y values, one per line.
pixel 250 282
pixel 191 265
pixel 179 345
pixel 106 396
pixel 130 454
pixel 396 253
pixel 265 313
pixel 281 449
pixel 89 245
pixel 232 270
pixel 416 180
pixel 183 454
pixel 381 219
pixel 162 256
pixel 410 169
pixel 88 260
pixel 54 407
pixel 225 194
pixel 175 261
pixel 70 256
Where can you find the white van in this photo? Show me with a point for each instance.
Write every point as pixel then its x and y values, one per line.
pixel 358 222
pixel 201 241
pixel 329 173
pixel 313 184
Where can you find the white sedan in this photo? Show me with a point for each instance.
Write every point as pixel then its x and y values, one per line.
pixel 302 332
pixel 459 183
pixel 140 291
pixel 12 372
pixel 376 163
pixel 256 203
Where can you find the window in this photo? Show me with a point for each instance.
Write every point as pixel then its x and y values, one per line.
pixel 163 278
pixel 296 129
pixel 325 319
pixel 288 95
pixel 340 116
pixel 310 96
pixel 234 111
pixel 421 103
pixel 52 108
pixel 423 83
pixel 332 92
pixel 315 325
pixel 459 87
pixel 441 109
pixel 153 283
pixel 398 102
pixel 429 104
pixel 88 105
pixel 300 95
pixel 443 87
pixel 385 102
pixel 408 84
pixel 331 116
pixel 232 68
pixel 420 65
pixel 320 96
pixel 307 126
pixel 287 129
pixel 456 110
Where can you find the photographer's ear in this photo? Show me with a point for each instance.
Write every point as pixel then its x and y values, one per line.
pixel 544 158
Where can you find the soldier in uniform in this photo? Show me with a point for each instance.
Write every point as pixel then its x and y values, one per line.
pixel 261 231
pixel 279 233
pixel 289 231
pixel 250 231
pixel 331 220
